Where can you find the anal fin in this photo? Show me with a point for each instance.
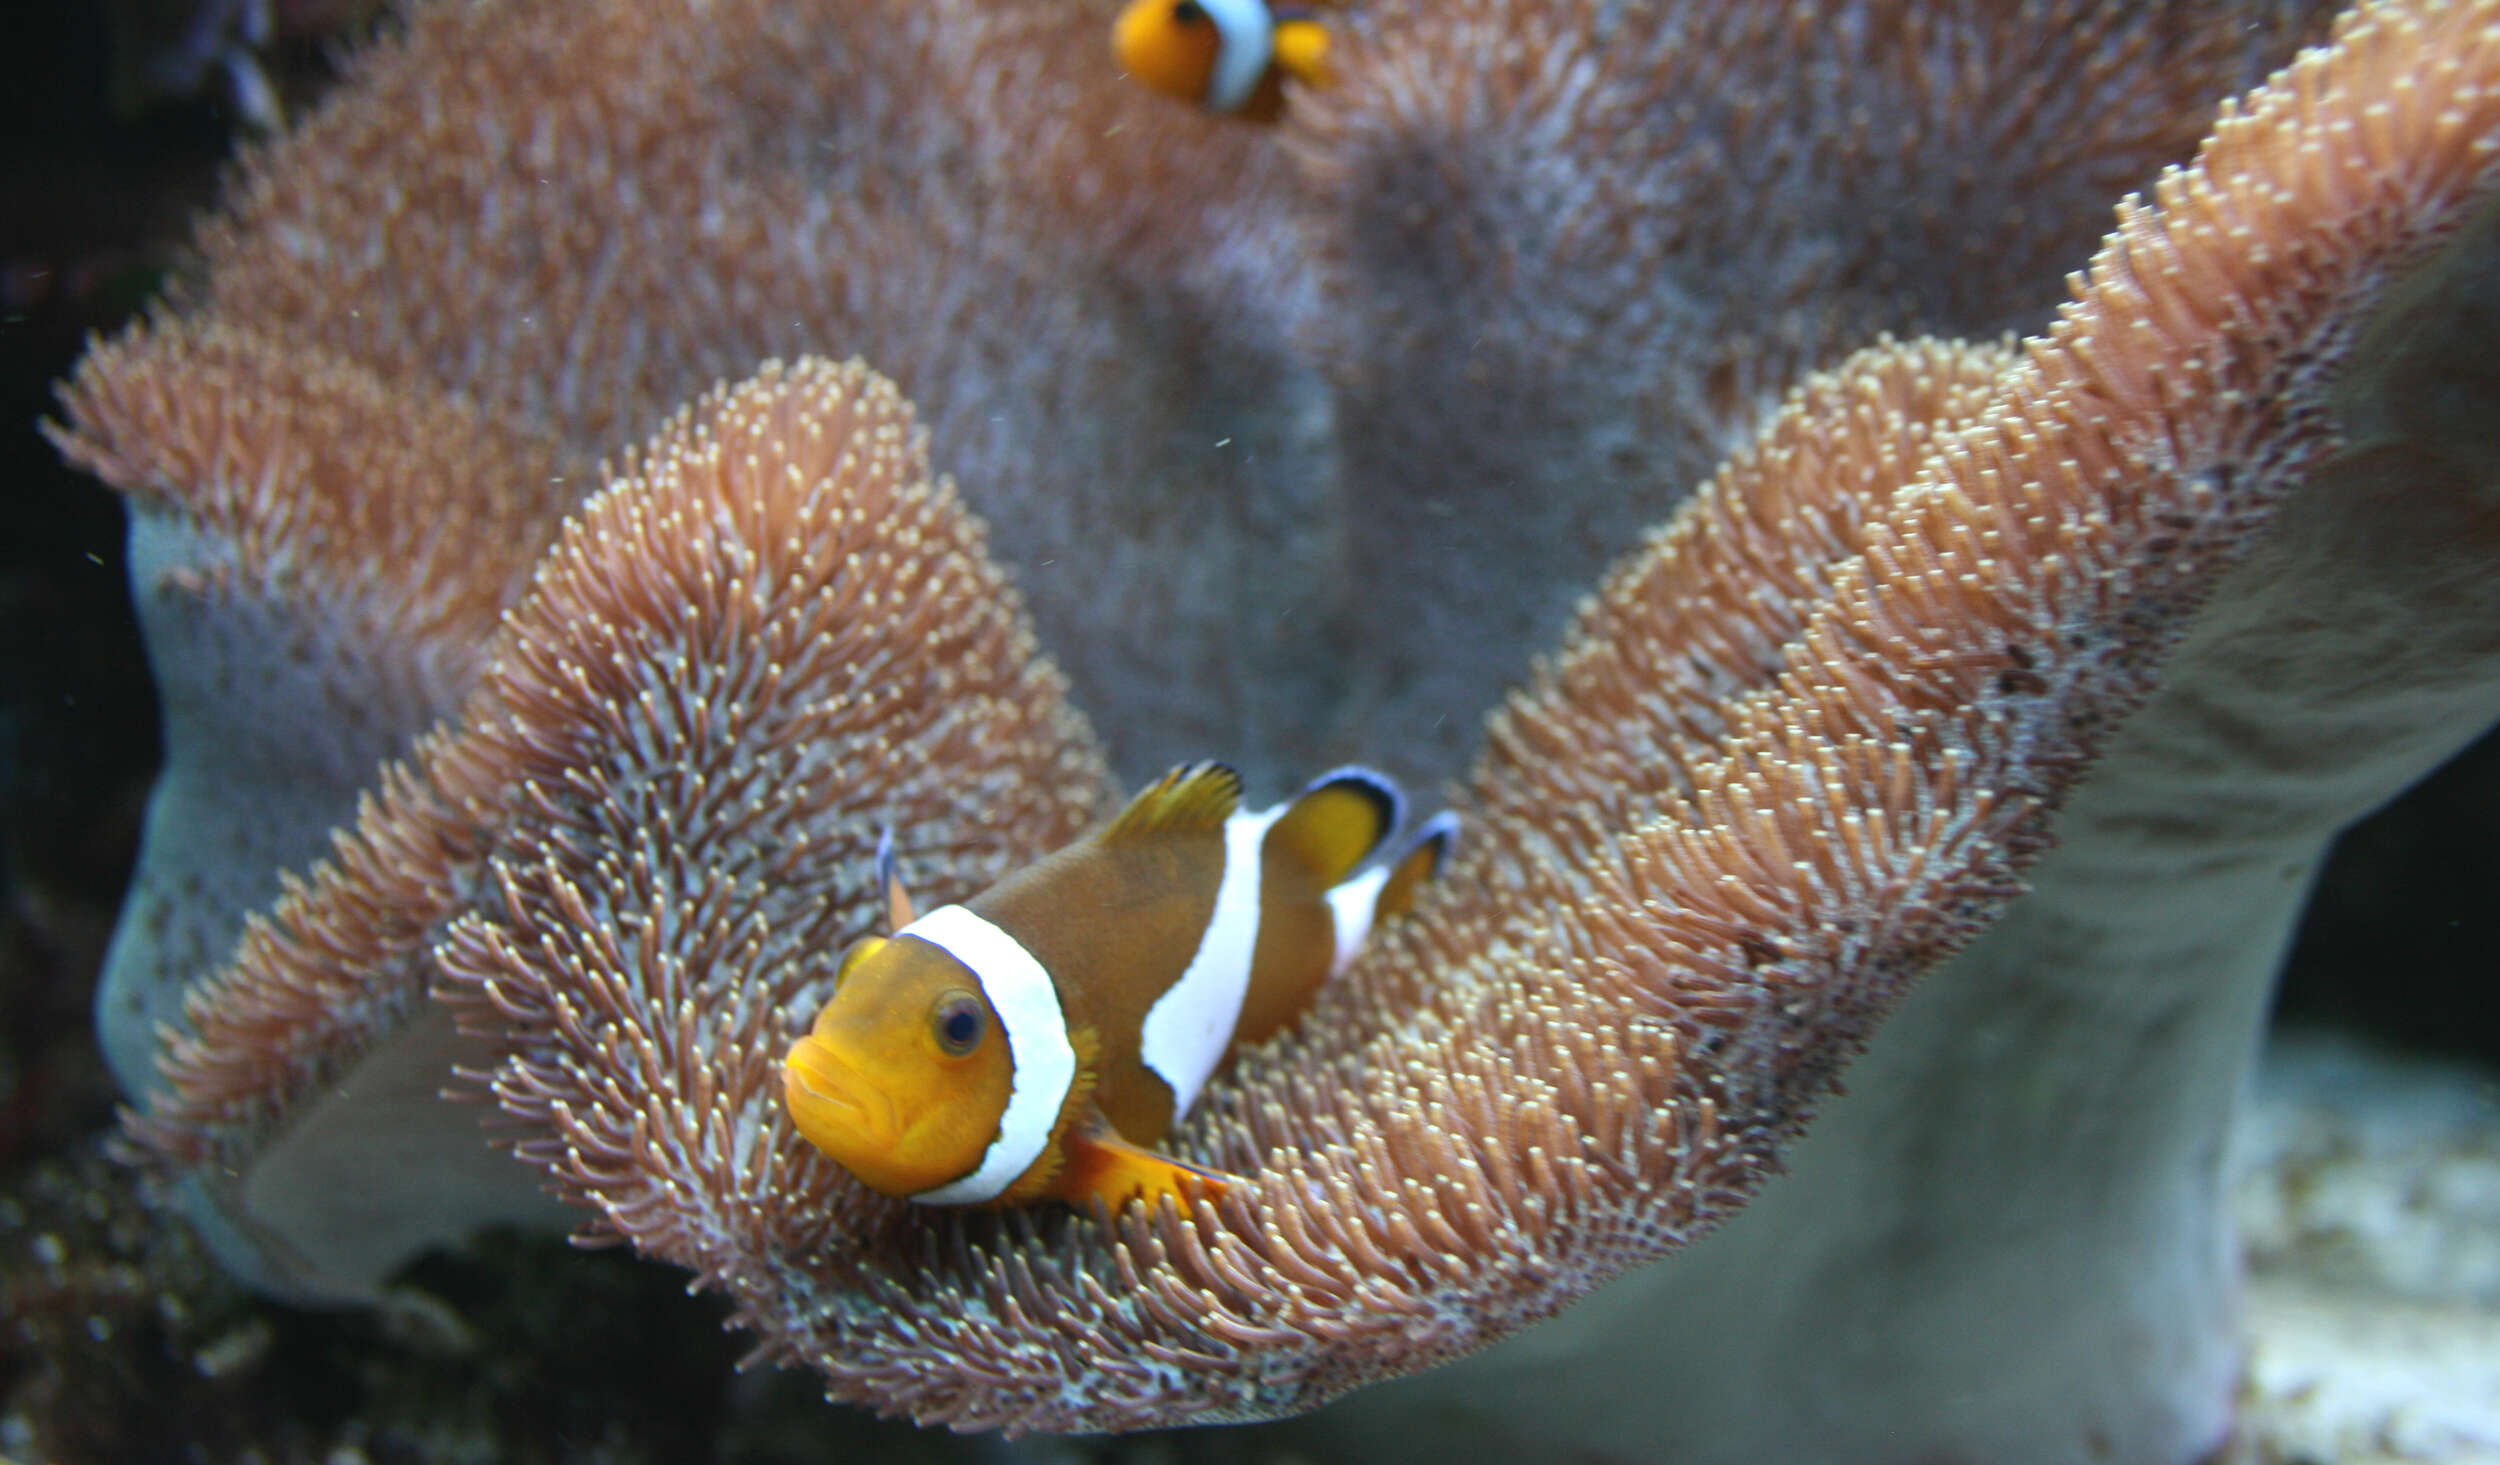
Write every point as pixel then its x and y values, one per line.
pixel 1103 1166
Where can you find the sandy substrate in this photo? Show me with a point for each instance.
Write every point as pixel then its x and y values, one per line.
pixel 2369 1205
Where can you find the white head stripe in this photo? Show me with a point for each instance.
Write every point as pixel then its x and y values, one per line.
pixel 1191 1024
pixel 1247 40
pixel 1040 1062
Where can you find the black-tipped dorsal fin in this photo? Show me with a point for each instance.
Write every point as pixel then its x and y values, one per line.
pixel 1194 798
pixel 1422 859
pixel 1336 823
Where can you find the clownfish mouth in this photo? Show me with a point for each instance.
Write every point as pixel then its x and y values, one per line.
pixel 828 1105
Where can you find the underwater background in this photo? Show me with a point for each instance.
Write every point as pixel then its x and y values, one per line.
pixel 120 1341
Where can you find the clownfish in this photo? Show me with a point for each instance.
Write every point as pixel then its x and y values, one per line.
pixel 1228 56
pixel 1030 1043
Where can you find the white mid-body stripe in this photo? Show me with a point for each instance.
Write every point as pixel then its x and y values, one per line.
pixel 1248 35
pixel 1352 904
pixel 1191 1024
pixel 1040 1059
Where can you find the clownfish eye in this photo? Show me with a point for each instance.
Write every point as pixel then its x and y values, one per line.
pixel 860 950
pixel 1189 12
pixel 956 1023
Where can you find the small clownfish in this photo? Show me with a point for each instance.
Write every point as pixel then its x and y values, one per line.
pixel 1028 1044
pixel 1228 56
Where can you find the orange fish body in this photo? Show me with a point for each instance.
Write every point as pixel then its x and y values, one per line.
pixel 1031 1042
pixel 1231 57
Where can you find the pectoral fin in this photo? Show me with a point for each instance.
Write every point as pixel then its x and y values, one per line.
pixel 1103 1166
pixel 898 912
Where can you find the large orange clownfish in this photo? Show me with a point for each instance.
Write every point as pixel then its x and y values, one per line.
pixel 1031 1043
pixel 1228 56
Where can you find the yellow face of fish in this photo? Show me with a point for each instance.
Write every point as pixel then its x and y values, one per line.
pixel 906 1072
pixel 1170 45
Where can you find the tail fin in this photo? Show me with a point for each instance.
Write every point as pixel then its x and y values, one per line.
pixel 1388 889
pixel 1300 48
pixel 1339 821
pixel 1425 853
